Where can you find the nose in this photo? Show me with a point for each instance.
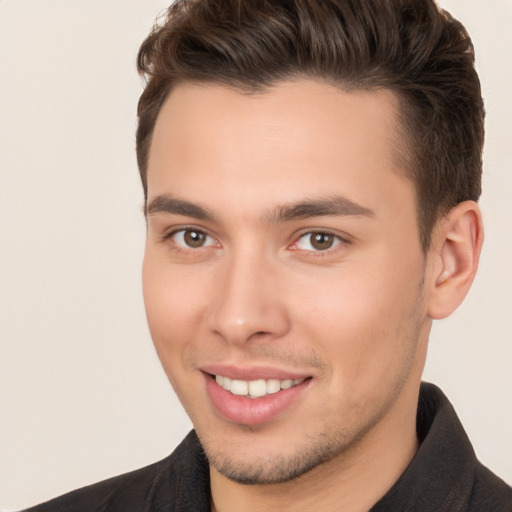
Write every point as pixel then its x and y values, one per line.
pixel 249 302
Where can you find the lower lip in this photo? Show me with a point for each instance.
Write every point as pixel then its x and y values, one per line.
pixel 252 411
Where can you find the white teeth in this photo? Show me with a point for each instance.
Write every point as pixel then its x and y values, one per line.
pixel 255 388
pixel 273 386
pixel 285 384
pixel 239 387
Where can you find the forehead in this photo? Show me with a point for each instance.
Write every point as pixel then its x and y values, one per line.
pixel 276 145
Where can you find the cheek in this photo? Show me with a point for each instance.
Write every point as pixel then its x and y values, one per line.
pixel 173 309
pixel 364 320
pixel 173 302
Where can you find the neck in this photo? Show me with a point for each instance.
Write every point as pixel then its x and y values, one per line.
pixel 353 481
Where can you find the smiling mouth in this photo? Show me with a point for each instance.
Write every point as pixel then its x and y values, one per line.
pixel 255 388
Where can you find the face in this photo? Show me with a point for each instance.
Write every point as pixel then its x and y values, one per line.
pixel 283 272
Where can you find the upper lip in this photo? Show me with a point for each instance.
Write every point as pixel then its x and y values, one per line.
pixel 250 373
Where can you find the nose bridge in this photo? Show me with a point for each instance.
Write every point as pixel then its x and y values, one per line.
pixel 248 301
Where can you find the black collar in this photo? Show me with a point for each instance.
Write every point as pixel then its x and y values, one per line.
pixel 444 475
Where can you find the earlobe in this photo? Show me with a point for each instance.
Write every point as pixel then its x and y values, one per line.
pixel 456 245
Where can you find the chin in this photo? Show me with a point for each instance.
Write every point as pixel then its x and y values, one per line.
pixel 268 465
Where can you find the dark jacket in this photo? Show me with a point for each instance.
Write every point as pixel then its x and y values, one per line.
pixel 444 476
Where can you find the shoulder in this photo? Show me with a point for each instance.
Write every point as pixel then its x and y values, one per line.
pixel 445 474
pixel 101 496
pixel 489 492
pixel 150 488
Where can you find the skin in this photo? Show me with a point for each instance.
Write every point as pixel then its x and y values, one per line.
pixel 354 318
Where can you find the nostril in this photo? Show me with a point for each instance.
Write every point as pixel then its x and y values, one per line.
pixel 258 334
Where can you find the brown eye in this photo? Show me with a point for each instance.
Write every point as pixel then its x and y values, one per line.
pixel 322 241
pixel 194 238
pixel 317 241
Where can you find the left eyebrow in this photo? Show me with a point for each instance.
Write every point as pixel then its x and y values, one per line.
pixel 332 206
pixel 167 204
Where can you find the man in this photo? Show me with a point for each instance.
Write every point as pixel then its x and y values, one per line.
pixel 310 171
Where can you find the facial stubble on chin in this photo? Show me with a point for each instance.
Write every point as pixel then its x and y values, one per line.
pixel 280 469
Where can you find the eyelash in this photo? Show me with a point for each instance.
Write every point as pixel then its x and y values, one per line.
pixel 169 236
pixel 338 241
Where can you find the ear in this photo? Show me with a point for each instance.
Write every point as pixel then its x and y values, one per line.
pixel 454 254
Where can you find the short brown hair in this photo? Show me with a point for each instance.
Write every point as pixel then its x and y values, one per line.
pixel 410 47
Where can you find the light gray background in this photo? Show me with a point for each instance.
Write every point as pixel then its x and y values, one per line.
pixel 82 395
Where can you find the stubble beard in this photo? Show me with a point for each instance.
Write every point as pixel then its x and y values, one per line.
pixel 314 451
pixel 319 448
pixel 278 468
pixel 328 443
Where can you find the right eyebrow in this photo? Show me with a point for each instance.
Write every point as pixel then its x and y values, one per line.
pixel 168 204
pixel 322 207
